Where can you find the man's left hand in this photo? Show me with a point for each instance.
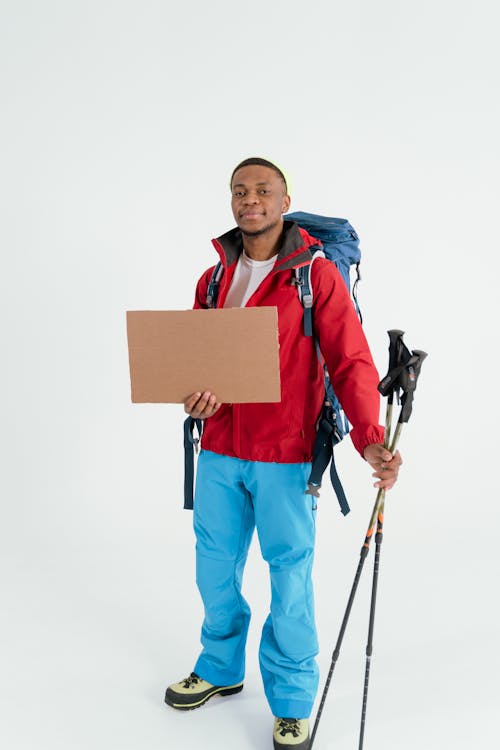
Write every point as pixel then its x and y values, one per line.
pixel 385 464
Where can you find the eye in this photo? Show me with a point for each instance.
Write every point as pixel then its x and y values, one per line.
pixel 238 193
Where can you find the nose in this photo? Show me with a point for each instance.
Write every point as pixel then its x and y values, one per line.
pixel 251 198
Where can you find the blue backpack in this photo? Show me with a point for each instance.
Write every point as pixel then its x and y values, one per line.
pixel 340 244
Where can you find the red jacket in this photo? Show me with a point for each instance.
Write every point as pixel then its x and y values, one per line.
pixel 284 432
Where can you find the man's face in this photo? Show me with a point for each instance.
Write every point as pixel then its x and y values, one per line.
pixel 258 200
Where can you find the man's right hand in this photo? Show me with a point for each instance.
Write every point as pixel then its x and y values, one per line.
pixel 201 405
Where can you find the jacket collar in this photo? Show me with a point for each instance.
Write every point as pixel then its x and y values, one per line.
pixel 294 249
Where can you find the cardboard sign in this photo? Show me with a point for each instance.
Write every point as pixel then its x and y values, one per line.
pixel 232 353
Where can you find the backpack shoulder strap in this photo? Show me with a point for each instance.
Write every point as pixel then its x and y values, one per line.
pixel 213 285
pixel 303 283
pixel 330 431
pixel 191 442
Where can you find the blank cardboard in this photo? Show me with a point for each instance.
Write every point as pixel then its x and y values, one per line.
pixel 233 353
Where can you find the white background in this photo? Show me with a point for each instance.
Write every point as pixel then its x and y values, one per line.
pixel 121 122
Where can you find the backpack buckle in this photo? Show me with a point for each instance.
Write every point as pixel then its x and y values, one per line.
pixel 307 300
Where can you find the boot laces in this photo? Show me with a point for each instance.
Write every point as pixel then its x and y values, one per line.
pixel 193 679
pixel 289 725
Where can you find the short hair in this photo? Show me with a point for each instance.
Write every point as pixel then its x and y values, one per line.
pixel 261 163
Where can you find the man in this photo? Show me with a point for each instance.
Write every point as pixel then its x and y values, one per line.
pixel 255 459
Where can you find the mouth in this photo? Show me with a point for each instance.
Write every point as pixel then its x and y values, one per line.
pixel 251 214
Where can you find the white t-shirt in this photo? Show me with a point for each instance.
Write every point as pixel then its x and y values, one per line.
pixel 248 275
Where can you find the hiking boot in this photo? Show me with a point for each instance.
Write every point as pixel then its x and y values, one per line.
pixel 291 734
pixel 193 692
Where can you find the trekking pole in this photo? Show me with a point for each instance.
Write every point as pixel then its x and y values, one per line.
pixel 395 355
pixel 396 348
pixel 408 384
pixel 394 336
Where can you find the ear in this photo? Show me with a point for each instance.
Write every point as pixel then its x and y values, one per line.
pixel 286 204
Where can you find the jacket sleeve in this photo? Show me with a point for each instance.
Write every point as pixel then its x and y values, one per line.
pixel 348 358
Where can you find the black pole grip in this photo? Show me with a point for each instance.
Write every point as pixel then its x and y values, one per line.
pixel 412 372
pixel 395 335
pixel 421 356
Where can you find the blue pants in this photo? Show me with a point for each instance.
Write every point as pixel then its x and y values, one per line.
pixel 232 498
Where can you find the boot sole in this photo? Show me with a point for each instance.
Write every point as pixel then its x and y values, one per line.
pixel 302 746
pixel 175 700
